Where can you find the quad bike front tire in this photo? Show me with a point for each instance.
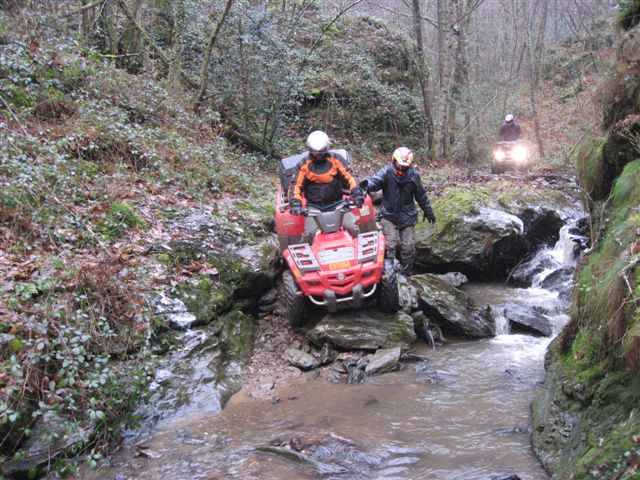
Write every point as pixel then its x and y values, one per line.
pixel 296 305
pixel 496 169
pixel 388 295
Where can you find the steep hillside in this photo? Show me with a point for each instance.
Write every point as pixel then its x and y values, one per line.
pixel 586 420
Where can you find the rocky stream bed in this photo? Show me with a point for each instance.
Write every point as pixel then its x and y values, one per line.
pixel 226 339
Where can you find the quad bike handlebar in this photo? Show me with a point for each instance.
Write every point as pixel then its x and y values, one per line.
pixel 345 206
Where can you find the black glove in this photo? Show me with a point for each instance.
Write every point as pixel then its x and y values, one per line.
pixel 295 207
pixel 429 216
pixel 358 196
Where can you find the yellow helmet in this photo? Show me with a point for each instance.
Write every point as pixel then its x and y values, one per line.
pixel 402 158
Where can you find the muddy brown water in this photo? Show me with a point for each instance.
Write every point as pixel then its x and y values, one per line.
pixel 464 414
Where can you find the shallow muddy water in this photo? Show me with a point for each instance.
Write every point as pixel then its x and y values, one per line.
pixel 464 414
pixel 461 414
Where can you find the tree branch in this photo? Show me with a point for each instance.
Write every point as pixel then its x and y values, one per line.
pixel 204 79
pixel 156 48
pixel 82 9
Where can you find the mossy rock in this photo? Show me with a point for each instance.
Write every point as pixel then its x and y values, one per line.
pixel 205 298
pixel 591 168
pixel 621 97
pixel 208 297
pixel 236 335
pixel 619 150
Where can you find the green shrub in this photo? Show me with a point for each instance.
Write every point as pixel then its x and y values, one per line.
pixel 629 15
pixel 121 218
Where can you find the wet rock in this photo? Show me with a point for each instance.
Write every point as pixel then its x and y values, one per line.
pixel 327 355
pixel 524 274
pixel 355 375
pixel 300 359
pixel 48 440
pixel 560 281
pixel 526 319
pixel 559 426
pixel 384 360
pixel 476 241
pixel 175 312
pixel 333 373
pixel 353 360
pixel 407 294
pixel 451 308
pixel 323 468
pixel 414 357
pixel 269 297
pixel 455 279
pixel 487 229
pixel 363 330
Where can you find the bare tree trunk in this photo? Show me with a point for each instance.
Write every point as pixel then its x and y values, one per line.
pixel 423 76
pixel 162 55
pixel 88 19
pixel 440 6
pixel 536 50
pixel 130 45
pixel 179 25
pixel 462 65
pixel 107 39
pixel 445 95
pixel 204 78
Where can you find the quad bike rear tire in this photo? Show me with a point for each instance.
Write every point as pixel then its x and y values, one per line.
pixel 388 295
pixel 296 306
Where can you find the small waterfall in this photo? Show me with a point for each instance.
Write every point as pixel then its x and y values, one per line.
pixel 563 255
pixel 502 324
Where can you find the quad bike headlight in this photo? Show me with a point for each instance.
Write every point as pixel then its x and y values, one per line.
pixel 498 154
pixel 519 154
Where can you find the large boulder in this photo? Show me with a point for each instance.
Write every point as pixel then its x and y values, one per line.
pixel 526 319
pixel 364 330
pixel 485 230
pixel 452 308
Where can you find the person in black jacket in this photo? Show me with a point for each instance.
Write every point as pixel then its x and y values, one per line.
pixel 401 188
pixel 510 131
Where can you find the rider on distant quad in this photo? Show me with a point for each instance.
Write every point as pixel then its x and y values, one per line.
pixel 322 179
pixel 510 131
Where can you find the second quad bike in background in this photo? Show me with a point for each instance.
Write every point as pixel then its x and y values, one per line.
pixel 512 156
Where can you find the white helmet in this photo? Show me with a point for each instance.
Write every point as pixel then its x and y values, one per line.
pixel 508 118
pixel 318 142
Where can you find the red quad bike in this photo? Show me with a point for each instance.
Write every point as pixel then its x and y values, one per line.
pixel 336 270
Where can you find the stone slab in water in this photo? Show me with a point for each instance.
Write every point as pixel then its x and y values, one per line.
pixel 452 308
pixel 526 318
pixel 384 360
pixel 364 330
pixel 300 359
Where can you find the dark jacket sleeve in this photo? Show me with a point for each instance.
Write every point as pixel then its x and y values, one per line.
pixel 377 181
pixel 421 197
pixel 297 180
pixel 518 130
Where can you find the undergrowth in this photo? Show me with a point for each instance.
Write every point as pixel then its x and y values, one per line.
pixel 88 152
